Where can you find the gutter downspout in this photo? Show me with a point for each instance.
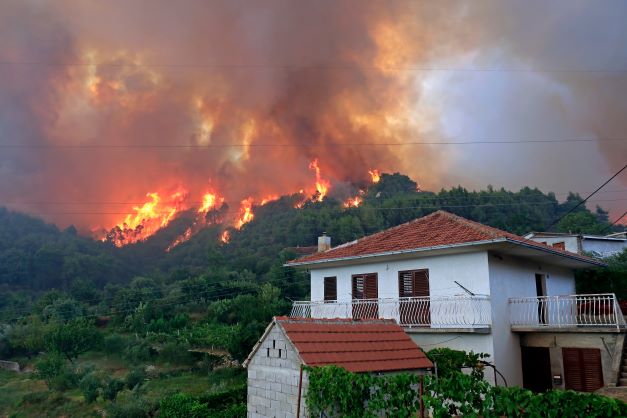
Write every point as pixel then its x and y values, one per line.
pixel 300 385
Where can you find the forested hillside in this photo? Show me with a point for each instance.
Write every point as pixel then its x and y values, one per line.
pixel 122 329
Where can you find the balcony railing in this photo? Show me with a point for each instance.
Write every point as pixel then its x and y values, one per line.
pixel 433 312
pixel 598 310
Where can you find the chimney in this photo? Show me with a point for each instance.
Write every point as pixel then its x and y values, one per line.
pixel 324 242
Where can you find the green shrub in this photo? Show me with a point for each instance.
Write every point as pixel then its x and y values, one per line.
pixel 90 386
pixel 176 353
pixel 49 366
pixel 131 408
pixel 111 387
pixel 135 377
pixel 115 344
pixel 449 362
pixel 139 350
pixel 181 405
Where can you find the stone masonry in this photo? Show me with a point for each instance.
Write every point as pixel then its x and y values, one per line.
pixel 273 377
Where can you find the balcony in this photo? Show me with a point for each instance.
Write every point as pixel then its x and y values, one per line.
pixel 547 313
pixel 435 312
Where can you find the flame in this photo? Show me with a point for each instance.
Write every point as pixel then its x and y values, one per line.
pixel 225 237
pixel 322 185
pixel 147 219
pixel 209 201
pixel 375 175
pixel 269 198
pixel 245 212
pixel 353 202
pixel 181 239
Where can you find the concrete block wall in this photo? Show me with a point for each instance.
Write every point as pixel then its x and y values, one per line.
pixel 273 378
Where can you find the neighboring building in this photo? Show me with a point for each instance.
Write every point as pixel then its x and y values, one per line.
pixel 451 282
pixel 277 386
pixel 601 246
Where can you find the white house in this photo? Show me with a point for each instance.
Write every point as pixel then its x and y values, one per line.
pixel 598 245
pixel 277 383
pixel 451 282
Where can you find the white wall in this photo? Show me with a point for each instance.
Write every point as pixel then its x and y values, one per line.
pixel 603 248
pixel 469 269
pixel 510 278
pixel 570 242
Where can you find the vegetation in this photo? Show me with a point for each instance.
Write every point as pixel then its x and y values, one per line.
pixel 337 392
pixel 136 330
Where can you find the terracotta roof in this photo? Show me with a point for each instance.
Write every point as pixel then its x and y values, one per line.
pixel 439 229
pixel 374 345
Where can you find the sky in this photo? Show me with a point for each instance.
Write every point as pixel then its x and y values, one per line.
pixel 104 102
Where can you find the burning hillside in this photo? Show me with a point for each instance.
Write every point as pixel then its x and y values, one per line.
pixel 212 209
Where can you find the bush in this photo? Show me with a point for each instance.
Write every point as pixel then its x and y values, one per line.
pixel 89 386
pixel 181 405
pixel 139 351
pixel 115 344
pixel 135 377
pixel 131 408
pixel 49 367
pixel 111 388
pixel 176 353
pixel 449 362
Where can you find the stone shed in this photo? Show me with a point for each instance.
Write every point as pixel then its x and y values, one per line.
pixel 277 386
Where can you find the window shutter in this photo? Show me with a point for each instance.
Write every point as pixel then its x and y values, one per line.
pixel 413 283
pixel 421 283
pixel 405 284
pixel 371 288
pixel 582 369
pixel 572 369
pixel 330 288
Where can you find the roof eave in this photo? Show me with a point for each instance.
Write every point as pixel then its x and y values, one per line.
pixel 399 252
pixel 551 251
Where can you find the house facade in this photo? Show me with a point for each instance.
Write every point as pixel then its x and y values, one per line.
pixel 277 383
pixel 599 245
pixel 451 282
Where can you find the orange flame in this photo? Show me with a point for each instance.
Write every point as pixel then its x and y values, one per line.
pixel 245 212
pixel 353 202
pixel 209 201
pixel 225 237
pixel 147 219
pixel 269 198
pixel 375 175
pixel 322 186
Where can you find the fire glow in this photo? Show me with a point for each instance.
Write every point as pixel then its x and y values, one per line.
pixel 245 213
pixel 322 185
pixel 375 175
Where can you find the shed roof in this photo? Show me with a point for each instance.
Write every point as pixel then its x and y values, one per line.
pixel 373 345
pixel 440 229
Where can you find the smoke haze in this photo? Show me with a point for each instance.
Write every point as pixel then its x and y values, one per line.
pixel 172 84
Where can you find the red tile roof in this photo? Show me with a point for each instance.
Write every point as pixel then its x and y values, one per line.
pixel 439 229
pixel 373 345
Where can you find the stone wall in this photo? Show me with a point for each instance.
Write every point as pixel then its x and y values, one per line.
pixel 9 365
pixel 273 378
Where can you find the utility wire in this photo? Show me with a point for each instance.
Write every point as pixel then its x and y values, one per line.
pixel 585 200
pixel 292 145
pixel 609 227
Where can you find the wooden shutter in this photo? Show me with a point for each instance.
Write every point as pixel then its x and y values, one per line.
pixel 330 288
pixel 582 369
pixel 413 283
pixel 365 286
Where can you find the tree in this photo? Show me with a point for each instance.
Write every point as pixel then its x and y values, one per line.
pixel 50 367
pixel 73 338
pixel 27 337
pixel 580 222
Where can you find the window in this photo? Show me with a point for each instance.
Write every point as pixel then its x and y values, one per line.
pixel 413 283
pixel 330 289
pixel 582 369
pixel 365 286
pixel 560 245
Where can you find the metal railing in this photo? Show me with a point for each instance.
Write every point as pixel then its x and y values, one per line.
pixel 592 310
pixel 434 311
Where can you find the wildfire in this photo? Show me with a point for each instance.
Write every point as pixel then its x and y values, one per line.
pixel 245 212
pixel 322 185
pixel 147 219
pixel 209 202
pixel 375 175
pixel 269 198
pixel 353 202
pixel 225 237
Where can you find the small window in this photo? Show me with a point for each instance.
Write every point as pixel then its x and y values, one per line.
pixel 273 343
pixel 280 351
pixel 268 352
pixel 330 289
pixel 560 245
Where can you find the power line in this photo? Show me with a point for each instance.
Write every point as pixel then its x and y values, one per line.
pixel 292 145
pixel 586 199
pixel 609 227
pixel 322 67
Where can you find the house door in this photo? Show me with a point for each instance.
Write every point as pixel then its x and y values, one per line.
pixel 413 291
pixel 542 301
pixel 582 369
pixel 536 368
pixel 365 296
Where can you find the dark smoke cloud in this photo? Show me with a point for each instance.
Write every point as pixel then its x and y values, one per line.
pixel 305 74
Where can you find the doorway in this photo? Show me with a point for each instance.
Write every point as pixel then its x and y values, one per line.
pixel 542 300
pixel 536 368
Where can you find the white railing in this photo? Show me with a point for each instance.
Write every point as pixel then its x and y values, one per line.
pixel 599 310
pixel 434 311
